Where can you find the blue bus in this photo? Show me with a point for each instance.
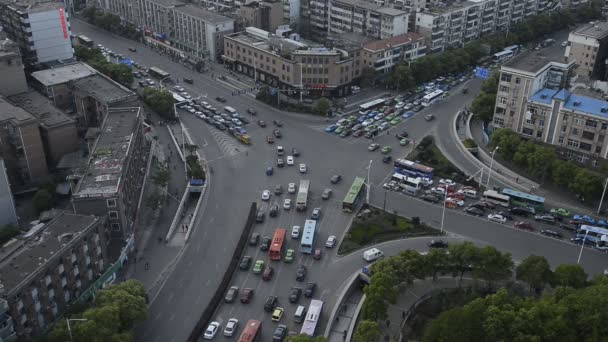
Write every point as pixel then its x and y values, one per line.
pixel 308 236
pixel 522 199
pixel 593 235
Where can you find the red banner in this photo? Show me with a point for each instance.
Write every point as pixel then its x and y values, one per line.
pixel 64 27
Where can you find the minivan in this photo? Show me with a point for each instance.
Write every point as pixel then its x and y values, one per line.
pixel 300 314
pixel 230 109
pixel 372 254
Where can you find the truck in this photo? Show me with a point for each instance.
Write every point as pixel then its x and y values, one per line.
pixel 302 199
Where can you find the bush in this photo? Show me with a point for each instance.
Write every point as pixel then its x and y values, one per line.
pixel 43 200
pixel 8 232
pixel 469 143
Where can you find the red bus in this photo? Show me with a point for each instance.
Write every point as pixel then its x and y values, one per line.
pixel 276 248
pixel 251 331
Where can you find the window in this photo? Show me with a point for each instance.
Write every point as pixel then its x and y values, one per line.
pixel 539 134
pixel 517 80
pixel 502 100
pixel 573 143
pixel 115 226
pixel 574 131
pixel 111 203
pixel 600 138
pixel 564 128
pixel 528 131
pixel 591 123
pixel 598 149
pixel 560 140
pixel 580 122
pixel 503 88
pixel 604 126
pixel 505 77
pixel 541 122
pixel 585 146
pixel 499 121
pixel 588 135
pixel 113 215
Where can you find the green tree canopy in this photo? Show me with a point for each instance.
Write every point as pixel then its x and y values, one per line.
pixel 306 338
pixel 161 101
pixel 323 105
pixel 569 275
pixel 492 265
pixel 535 271
pixel 461 257
pixel 43 200
pixel 367 331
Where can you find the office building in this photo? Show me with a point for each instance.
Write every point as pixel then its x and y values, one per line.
pixel 291 12
pixel 112 184
pixel 11 68
pixel 265 15
pixel 50 268
pixel 366 18
pixel 56 82
pixel 8 213
pixel 383 55
pixel 40 29
pixel 588 48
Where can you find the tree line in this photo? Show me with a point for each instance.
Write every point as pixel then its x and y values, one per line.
pixel 542 162
pixel 120 73
pixel 111 22
pixel 160 101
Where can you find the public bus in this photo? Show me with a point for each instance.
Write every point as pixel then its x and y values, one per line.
pixel 502 55
pixel 408 167
pixel 158 73
pixel 85 41
pixel 595 235
pixel 276 248
pixel 252 331
pixel 354 195
pixel 312 318
pixel 431 97
pixel 308 236
pixel 496 198
pixel 522 199
pixel 406 182
pixel 515 48
pixel 302 198
pixel 371 105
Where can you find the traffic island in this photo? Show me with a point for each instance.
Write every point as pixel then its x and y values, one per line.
pixel 373 225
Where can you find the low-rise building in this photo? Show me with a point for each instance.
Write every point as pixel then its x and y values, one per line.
pixel 588 47
pixel 56 82
pixel 383 55
pixel 50 268
pixel 11 68
pixel 112 184
pixel 265 15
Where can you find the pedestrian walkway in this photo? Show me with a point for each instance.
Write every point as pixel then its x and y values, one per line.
pixel 344 317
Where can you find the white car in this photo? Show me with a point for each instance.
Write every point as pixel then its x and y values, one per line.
pixel 384 126
pixel 408 106
pixel 287 204
pixel 291 188
pixel 211 330
pixel 237 122
pixel 331 242
pixel 265 195
pixel 399 105
pixel 367 122
pixel 295 232
pixel 192 110
pixel 289 160
pixel 497 218
pixel 231 327
pixel 178 88
pixel 447 182
pixel 427 182
pixel 379 117
pixel 438 191
pixel 458 202
pixel 303 168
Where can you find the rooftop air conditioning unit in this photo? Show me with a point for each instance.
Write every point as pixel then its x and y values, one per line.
pixel 577 103
pixel 604 109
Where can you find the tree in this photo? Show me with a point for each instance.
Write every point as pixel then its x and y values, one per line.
pixel 153 201
pixel 563 172
pixel 7 232
pixel 130 298
pixel 374 307
pixel 161 101
pixel 535 271
pixel 436 261
pixel 483 106
pixel 586 183
pixel 491 265
pixel 367 331
pixel 162 176
pixel 540 161
pixel 507 141
pixel 461 257
pixel 569 275
pixel 43 200
pixel 523 151
pixel 323 105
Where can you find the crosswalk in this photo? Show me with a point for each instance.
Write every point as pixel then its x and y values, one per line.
pixel 227 143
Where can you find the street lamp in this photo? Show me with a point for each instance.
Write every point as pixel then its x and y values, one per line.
pixel 599 208
pixel 491 164
pixel 70 329
pixel 580 254
pixel 369 168
pixel 161 81
pixel 445 197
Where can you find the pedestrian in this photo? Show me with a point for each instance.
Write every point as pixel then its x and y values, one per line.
pixel 517 179
pixel 388 323
pixel 403 314
pixel 337 318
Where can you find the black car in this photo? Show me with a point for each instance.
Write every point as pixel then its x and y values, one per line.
pixel 309 291
pixel 271 303
pixel 279 333
pixel 277 133
pixel 295 152
pixel 402 135
pixel 254 239
pixel 430 198
pixel 132 49
pixel 220 99
pixel 245 263
pixel 277 123
pixel 301 273
pixel 278 189
pixel 438 244
pixel 280 162
pixel 335 179
pixel 252 111
pixel 546 218
pixel 262 123
pixel 294 295
pixel 551 233
pixel 259 216
pixel 523 211
pixel 274 210
pixel 474 211
pixel 387 159
pixel 188 80
pixel 265 245
pixel 478 205
pixel 244 120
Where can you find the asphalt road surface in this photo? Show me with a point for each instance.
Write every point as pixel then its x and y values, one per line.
pixel 239 178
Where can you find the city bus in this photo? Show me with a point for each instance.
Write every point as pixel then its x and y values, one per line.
pixel 431 97
pixel 496 198
pixel 308 236
pixel 158 73
pixel 302 198
pixel 354 195
pixel 276 248
pixel 85 41
pixel 406 182
pixel 252 331
pixel 595 235
pixel 522 199
pixel 370 105
pixel 312 318
pixel 408 167
pixel 502 55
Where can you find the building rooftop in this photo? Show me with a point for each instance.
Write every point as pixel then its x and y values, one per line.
pixel 450 6
pixel 104 172
pixel 33 6
pixel 8 111
pixel 42 108
pixel 595 29
pixel 103 89
pixel 575 102
pixel 24 258
pixel 168 3
pixel 199 12
pixel 379 45
pixel 358 3
pixel 535 60
pixel 63 74
pixel 390 11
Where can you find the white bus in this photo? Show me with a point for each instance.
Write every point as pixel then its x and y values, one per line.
pixel 432 97
pixel 370 105
pixel 230 110
pixel 312 318
pixel 496 198
pixel 502 56
pixel 406 182
pixel 302 198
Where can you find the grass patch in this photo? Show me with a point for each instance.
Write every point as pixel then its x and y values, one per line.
pixel 378 226
pixel 469 143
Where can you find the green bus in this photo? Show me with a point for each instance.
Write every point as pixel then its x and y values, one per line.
pixel 354 195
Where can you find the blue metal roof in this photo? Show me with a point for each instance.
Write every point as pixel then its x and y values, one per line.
pixel 544 96
pixel 587 105
pixel 523 195
pixel 562 95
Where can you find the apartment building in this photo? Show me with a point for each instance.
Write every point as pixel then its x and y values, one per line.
pixel 291 12
pixel 588 47
pixel 21 146
pixel 383 55
pixel 112 184
pixel 11 68
pixel 50 269
pixel 366 18
pixel 452 24
pixel 56 83
pixel 41 29
pixel 265 15
pixel 186 27
pixel 521 78
pixel 8 213
pixel 292 65
pixel 7 327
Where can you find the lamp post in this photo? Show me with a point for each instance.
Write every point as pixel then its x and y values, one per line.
pixel 445 197
pixel 301 84
pixel 599 208
pixel 580 254
pixel 491 164
pixel 70 329
pixel 369 168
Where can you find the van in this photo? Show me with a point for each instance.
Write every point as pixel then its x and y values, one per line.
pixel 372 254
pixel 280 150
pixel 300 314
pixel 229 109
pixel 470 193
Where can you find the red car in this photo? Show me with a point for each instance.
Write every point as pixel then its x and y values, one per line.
pixel 267 273
pixel 317 254
pixel 524 225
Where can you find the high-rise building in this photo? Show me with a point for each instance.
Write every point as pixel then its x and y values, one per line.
pixel 588 48
pixel 366 18
pixel 11 68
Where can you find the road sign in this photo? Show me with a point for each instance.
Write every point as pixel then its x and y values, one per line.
pixel 482 73
pixel 365 270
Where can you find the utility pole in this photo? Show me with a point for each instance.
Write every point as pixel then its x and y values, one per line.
pixel 599 208
pixel 580 254
pixel 491 164
pixel 369 168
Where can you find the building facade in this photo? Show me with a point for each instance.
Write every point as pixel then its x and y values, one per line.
pixel 51 269
pixel 265 15
pixel 11 68
pixel 366 18
pixel 40 29
pixel 56 83
pixel 8 214
pixel 384 55
pixel 588 47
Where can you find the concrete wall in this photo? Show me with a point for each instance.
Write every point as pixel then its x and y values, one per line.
pixel 12 80
pixel 60 141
